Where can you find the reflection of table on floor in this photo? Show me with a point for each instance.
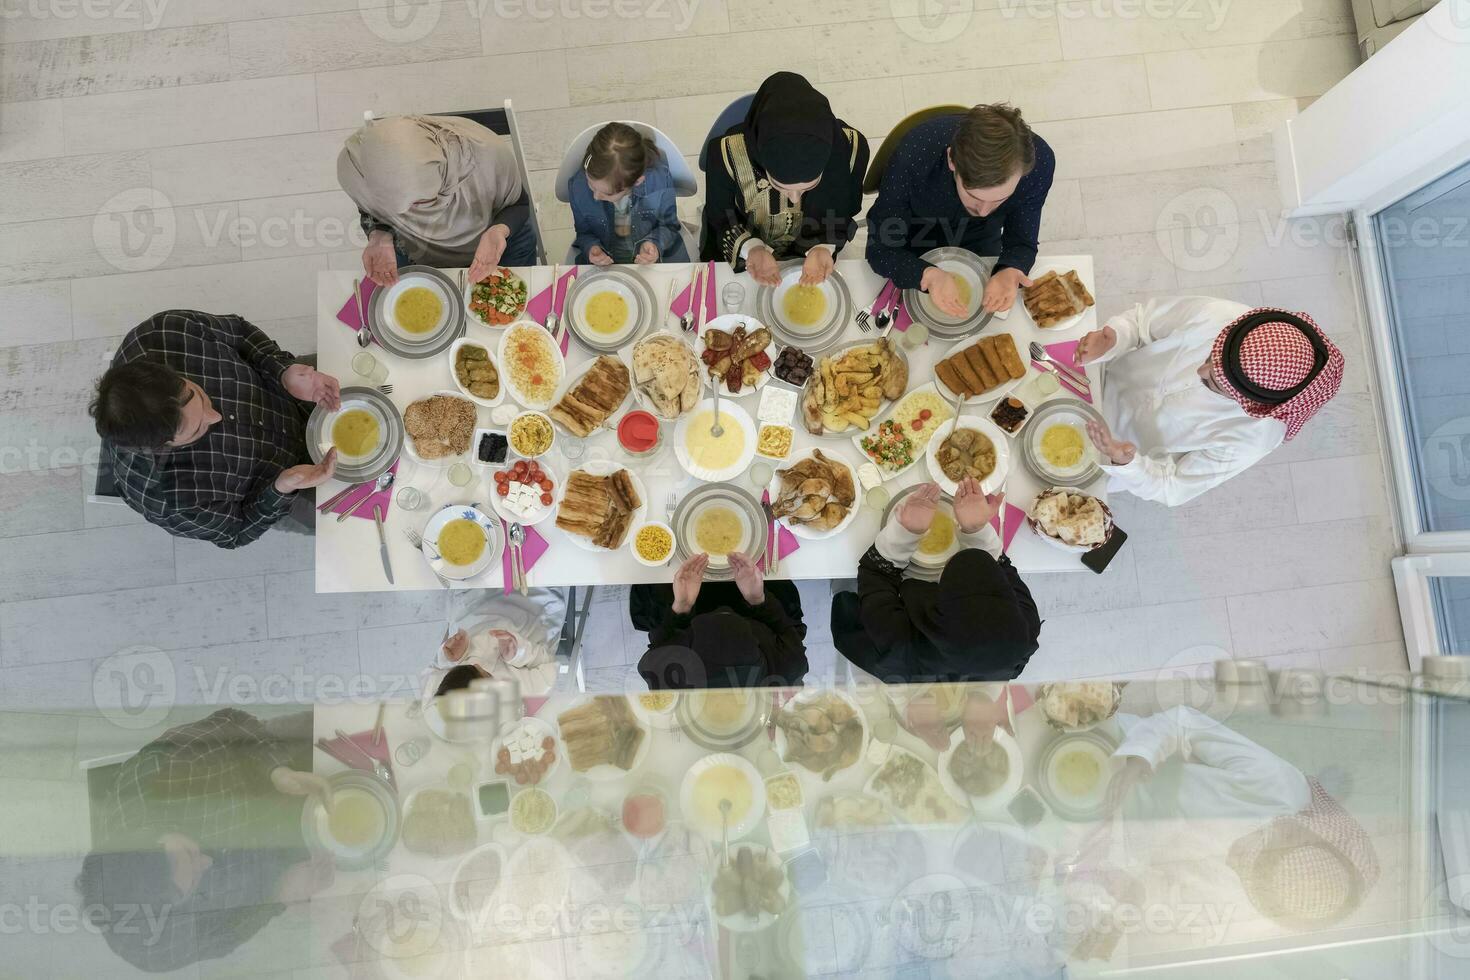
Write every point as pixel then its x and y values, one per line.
pixel 684 944
pixel 347 552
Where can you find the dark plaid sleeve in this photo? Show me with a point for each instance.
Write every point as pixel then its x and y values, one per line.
pixel 180 507
pixel 255 348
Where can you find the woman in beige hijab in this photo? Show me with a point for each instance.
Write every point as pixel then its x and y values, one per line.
pixel 437 190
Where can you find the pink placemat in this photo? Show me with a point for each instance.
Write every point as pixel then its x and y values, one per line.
pixel 531 553
pixel 711 304
pixel 381 498
pixel 364 741
pixel 1066 353
pixel 786 543
pixel 1015 517
pixel 348 313
pixel 901 318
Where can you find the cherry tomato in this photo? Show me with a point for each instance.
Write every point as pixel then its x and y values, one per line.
pixel 503 489
pixel 544 485
pixel 926 415
pixel 536 379
pixel 546 500
pixel 502 477
pixel 917 424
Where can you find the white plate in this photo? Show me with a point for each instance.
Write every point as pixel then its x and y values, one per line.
pixel 608 284
pixel 997 478
pixel 474 318
pixel 447 303
pixel 607 772
pixel 471 916
pixel 730 415
pixel 607 467
pixel 857 440
pixel 542 728
pixel 728 323
pixel 742 922
pixel 408 442
pixel 488 557
pixel 884 404
pixel 871 788
pixel 626 353
pixel 977 292
pixel 1058 331
pixel 570 381
pixel 748 532
pixel 348 405
pixel 752 817
pixel 542 512
pixel 1005 792
pixel 664 720
pixel 803 530
pixel 994 394
pixel 790 279
pixel 805 696
pixel 504 364
pixel 454 349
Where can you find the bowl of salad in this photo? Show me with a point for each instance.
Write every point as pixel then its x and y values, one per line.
pixel 498 299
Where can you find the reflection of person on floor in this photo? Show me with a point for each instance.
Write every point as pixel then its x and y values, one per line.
pixel 745 633
pixel 498 635
pixel 204 842
pixel 1301 859
pixel 972 620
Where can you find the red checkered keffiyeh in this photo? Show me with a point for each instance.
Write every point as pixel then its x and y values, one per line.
pixel 1276 356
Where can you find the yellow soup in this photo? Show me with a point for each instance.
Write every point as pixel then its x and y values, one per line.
pixel 710 452
pixel 804 305
pixel 607 312
pixel 355 433
pixel 356 819
pixel 721 783
pixel 418 309
pixel 717 531
pixel 939 537
pixel 723 711
pixel 1077 773
pixel 967 293
pixel 461 542
pixel 1061 446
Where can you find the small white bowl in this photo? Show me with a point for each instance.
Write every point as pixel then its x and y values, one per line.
pixel 509 434
pixel 633 543
pixel 454 350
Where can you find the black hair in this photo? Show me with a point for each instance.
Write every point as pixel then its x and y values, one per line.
pixel 112 883
pixel 458 678
pixel 138 405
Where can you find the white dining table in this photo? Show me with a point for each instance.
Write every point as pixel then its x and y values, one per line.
pixel 347 552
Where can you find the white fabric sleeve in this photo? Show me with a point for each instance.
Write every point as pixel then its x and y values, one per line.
pixel 1254 771
pixel 752 243
pixel 1160 318
pixel 985 539
pixel 1177 478
pixel 897 543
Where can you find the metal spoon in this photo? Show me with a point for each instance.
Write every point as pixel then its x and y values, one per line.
pixel 379 770
pixel 364 335
pixel 383 483
pixel 518 538
pixel 1039 353
pixel 717 429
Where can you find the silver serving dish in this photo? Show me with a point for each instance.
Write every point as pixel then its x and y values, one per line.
pixel 1071 411
pixel 809 339
pixel 970 265
pixel 432 343
pixel 314 822
pixel 319 436
pixel 883 406
pixel 693 504
pixel 643 311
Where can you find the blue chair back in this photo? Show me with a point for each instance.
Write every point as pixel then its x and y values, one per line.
pixel 734 113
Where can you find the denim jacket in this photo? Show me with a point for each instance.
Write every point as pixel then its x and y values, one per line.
pixel 654 213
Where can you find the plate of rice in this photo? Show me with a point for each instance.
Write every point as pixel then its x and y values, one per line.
pixel 531 364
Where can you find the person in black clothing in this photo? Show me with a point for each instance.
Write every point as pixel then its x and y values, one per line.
pixel 973 620
pixel 745 633
pixel 976 181
pixel 784 183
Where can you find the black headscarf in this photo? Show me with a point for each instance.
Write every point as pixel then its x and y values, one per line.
pixel 969 620
pixel 790 131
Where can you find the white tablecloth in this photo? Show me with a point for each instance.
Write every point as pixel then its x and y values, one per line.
pixel 347 552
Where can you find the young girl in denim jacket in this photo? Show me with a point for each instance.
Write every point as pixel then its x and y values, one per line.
pixel 623 201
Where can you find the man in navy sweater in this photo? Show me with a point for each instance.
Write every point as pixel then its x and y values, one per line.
pixel 976 181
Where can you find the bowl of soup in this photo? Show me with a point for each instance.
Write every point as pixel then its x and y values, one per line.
pixel 417 309
pixel 460 542
pixel 362 824
pixel 710 456
pixel 356 433
pixel 969 286
pixel 804 309
pixel 722 776
pixel 605 311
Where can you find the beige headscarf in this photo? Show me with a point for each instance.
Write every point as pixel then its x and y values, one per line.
pixel 467 174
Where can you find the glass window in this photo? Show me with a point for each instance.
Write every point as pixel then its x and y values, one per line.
pixel 1425 241
pixel 1451 597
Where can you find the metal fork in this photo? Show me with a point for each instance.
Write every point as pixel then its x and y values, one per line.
pixel 417 540
pixel 386 389
pixel 1040 353
pixel 864 321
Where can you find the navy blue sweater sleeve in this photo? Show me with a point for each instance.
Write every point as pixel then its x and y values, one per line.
pixel 1023 219
pixel 891 219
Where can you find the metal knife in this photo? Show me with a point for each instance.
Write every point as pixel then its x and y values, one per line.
pixel 382 543
pixel 773 546
pixel 338 498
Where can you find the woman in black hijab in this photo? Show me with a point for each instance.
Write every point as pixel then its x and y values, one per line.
pixel 745 633
pixel 974 620
pixel 787 182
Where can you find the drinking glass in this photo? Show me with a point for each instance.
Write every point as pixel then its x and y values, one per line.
pixel 411 498
pixel 915 336
pixel 876 499
pixel 572 447
pixel 460 474
pixel 733 296
pixel 369 368
pixel 760 474
pixel 411 750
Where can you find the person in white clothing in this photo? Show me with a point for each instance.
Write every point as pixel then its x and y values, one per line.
pixel 496 635
pixel 1299 858
pixel 1198 389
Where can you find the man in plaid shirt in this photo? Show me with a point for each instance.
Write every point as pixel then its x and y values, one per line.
pixel 203 420
pixel 203 843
